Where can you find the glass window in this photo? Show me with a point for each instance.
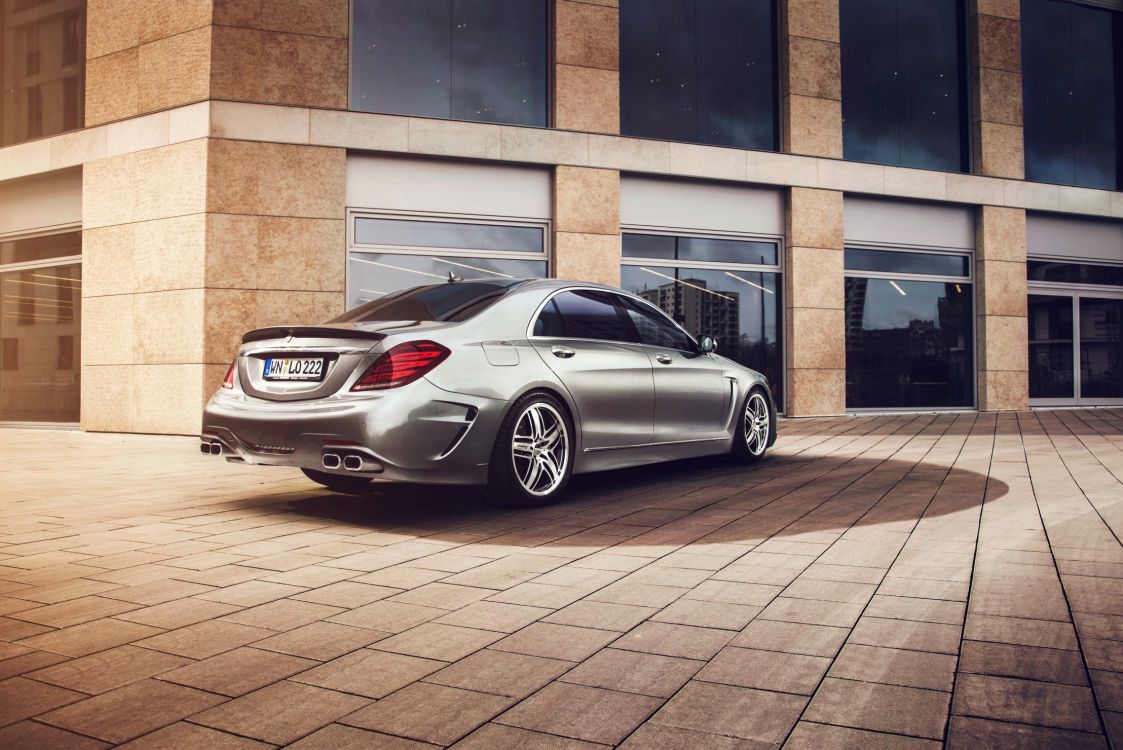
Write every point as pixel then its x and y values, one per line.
pixel 656 329
pixel 591 315
pixel 702 71
pixel 909 344
pixel 371 276
pixel 408 233
pixel 1074 273
pixel 42 67
pixel 903 83
pixel 391 254
pixel 480 60
pixel 1101 348
pixel 1050 347
pixel 1070 58
pixel 740 309
pixel 40 324
pixel 704 249
pixel 895 261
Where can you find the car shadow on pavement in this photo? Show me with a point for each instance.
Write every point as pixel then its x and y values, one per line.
pixel 817 493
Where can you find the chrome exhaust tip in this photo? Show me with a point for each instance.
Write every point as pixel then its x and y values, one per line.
pixel 205 448
pixel 216 448
pixel 353 463
pixel 330 461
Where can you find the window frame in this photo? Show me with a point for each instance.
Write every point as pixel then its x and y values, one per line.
pixel 884 276
pixel 354 214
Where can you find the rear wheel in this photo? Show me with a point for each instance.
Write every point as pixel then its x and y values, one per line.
pixel 754 428
pixel 533 455
pixel 337 482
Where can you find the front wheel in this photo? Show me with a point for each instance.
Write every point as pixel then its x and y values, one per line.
pixel 754 428
pixel 533 455
pixel 336 482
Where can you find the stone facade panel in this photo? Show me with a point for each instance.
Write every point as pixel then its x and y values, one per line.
pixel 175 70
pixel 814 218
pixel 272 179
pixel 814 68
pixel 812 126
pixel 112 86
pixel 587 257
pixel 813 338
pixel 586 99
pixel 587 35
pixel 586 201
pixel 330 18
pixel 812 19
pixel 815 393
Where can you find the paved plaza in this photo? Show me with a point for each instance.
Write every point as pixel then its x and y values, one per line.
pixel 877 582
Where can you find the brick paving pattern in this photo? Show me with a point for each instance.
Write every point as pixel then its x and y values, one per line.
pixel 878 582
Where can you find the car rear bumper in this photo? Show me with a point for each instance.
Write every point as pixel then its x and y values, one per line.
pixel 417 433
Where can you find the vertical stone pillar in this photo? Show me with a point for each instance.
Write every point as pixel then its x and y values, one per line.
pixel 814 299
pixel 587 225
pixel 587 65
pixel 1000 271
pixel 996 88
pixel 812 78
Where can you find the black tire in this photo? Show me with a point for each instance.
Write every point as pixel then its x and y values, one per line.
pixel 748 450
pixel 336 482
pixel 506 473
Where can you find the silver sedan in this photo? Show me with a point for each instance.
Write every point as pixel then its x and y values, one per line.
pixel 516 385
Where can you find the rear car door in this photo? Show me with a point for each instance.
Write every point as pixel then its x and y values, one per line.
pixel 585 337
pixel 692 395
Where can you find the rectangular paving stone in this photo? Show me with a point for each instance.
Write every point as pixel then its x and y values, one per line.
pixel 281 712
pixel 503 618
pixel 90 637
pixel 107 670
pixel 500 673
pixel 185 735
pixel 791 637
pixel 883 708
pixel 204 639
pixel 430 713
pixel 766 670
pixel 238 672
pixel 1020 631
pixel 601 615
pixel 21 698
pixel 1029 662
pixel 812 612
pixel 282 615
pixel 633 672
pixel 808 735
pixel 339 737
pixel 373 674
pixel 966 733
pixel 1026 702
pixel 556 641
pixel 890 666
pixel 434 641
pixel 905 634
pixel 502 737
pixel 581 712
pixel 674 640
pixel 756 715
pixel 35 736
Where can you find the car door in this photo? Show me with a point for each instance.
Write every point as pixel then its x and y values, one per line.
pixel 587 340
pixel 692 394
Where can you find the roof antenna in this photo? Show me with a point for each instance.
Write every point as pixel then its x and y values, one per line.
pixel 453 279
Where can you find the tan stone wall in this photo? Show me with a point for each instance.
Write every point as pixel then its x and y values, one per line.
pixel 188 246
pixel 586 242
pixel 811 78
pixel 149 55
pixel 1000 270
pixel 587 65
pixel 814 301
pixel 994 42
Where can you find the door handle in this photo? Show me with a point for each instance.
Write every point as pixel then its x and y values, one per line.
pixel 562 351
pixel 663 359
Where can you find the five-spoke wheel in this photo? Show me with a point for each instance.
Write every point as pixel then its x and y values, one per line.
pixel 540 448
pixel 754 432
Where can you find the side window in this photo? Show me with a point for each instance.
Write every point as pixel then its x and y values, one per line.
pixel 549 321
pixel 655 329
pixel 591 315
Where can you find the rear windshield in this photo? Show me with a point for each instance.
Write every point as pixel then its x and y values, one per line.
pixel 443 302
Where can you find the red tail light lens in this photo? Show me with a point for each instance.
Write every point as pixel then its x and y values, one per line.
pixel 228 381
pixel 402 364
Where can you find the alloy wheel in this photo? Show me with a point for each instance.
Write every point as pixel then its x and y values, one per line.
pixel 540 449
pixel 757 423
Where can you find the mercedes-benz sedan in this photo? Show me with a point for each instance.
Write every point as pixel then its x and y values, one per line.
pixel 512 384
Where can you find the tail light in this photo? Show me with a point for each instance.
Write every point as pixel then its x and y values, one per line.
pixel 228 381
pixel 401 364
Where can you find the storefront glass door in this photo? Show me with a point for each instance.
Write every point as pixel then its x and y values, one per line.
pixel 1075 348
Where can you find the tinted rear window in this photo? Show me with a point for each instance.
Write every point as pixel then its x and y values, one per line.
pixel 443 302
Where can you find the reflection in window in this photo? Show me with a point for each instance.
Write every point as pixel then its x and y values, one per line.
pixel 1101 348
pixel 1070 55
pixel 740 309
pixel 40 323
pixel 1050 347
pixel 42 66
pixel 397 254
pixel 1074 273
pixel 909 344
pixel 479 60
pixel 702 71
pixel 903 83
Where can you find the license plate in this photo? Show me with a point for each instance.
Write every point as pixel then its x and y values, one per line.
pixel 294 369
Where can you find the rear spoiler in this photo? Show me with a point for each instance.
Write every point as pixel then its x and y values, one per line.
pixel 318 332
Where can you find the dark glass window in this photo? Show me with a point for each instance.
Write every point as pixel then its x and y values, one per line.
pixel 1070 60
pixel 667 247
pixel 742 310
pixel 409 233
pixel 701 71
pixel 592 315
pixel 894 261
pixel 656 329
pixel 1074 273
pixel 42 68
pixel 1050 347
pixel 1101 348
pixel 903 83
pixel 447 302
pixel 480 60
pixel 909 344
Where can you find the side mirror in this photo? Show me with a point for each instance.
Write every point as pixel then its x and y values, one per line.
pixel 707 343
